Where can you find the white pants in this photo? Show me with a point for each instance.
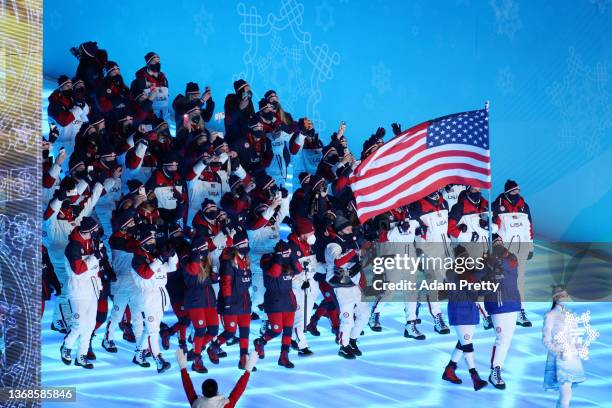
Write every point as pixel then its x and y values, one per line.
pixel 62 312
pixel 151 310
pixel 504 324
pixel 465 335
pixel 122 297
pixel 83 322
pixel 409 296
pixel 303 311
pixel 353 313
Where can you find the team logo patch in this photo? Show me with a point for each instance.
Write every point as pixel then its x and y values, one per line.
pixel 116 307
pixel 498 329
pixel 502 208
pixel 276 327
pixel 200 322
pixel 150 318
pixel 466 337
pixel 232 324
pixel 345 315
pixel 299 253
pixel 297 307
pixel 327 294
pixel 182 307
pixel 76 316
pixel 247 144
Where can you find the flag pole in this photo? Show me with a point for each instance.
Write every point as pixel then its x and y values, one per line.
pixel 487 104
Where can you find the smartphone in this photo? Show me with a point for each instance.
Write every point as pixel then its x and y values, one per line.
pixel 89 169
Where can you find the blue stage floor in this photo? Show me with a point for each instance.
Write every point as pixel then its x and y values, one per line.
pixel 394 371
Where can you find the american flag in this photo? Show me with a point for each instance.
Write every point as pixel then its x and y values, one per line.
pixel 453 149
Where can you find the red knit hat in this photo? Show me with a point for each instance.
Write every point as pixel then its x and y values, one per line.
pixel 303 226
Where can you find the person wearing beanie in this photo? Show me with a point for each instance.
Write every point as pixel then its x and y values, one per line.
pixel 123 243
pixel 200 299
pixel 216 225
pixel 234 298
pixel 83 286
pixel 113 95
pixel 150 268
pixel 170 190
pixel 269 208
pixel 142 97
pixel 254 150
pixel 193 99
pixel 237 202
pixel 344 274
pixel 502 304
pixel 204 183
pixel 304 262
pixel 156 83
pixel 283 116
pixel 279 301
pixel 306 147
pixel 396 233
pixel 513 217
pixel 238 109
pixel 65 115
pixel 91 65
pixel 431 237
pixel 210 389
pixel 69 206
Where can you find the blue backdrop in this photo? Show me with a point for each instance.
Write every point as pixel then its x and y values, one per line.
pixel 544 65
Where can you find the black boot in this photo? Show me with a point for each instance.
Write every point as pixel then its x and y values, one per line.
pixel 354 349
pixel 346 352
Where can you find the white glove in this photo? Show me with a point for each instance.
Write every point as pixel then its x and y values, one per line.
pixel 181 358
pixel 251 361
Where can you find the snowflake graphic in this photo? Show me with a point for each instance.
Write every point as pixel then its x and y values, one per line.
pixel 204 24
pixel 280 55
pixel 574 339
pixel 584 104
pixel 507 17
pixel 505 81
pixel 325 16
pixel 381 77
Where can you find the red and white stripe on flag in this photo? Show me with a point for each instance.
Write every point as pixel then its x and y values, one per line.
pixel 450 150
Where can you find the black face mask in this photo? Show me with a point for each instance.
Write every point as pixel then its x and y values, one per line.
pixel 155 67
pixel 67 93
pixel 474 196
pixel 243 251
pixel 269 116
pixel 434 197
pixel 102 132
pixel 149 247
pixel 513 198
pixel 111 164
pixel 258 134
pixel 79 95
pixel 211 214
pixel 195 120
pixel 499 251
pixel 117 80
pixel 276 105
pixel 169 173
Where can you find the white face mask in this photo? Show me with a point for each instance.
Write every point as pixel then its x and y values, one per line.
pixel 311 240
pixel 223 157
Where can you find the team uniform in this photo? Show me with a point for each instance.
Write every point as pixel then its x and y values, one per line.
pixel 279 301
pixel 83 289
pixel 513 217
pixel 432 238
pixel 342 257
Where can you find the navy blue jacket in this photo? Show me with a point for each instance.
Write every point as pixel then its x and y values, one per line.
pixel 235 281
pixel 197 294
pixel 507 297
pixel 277 279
